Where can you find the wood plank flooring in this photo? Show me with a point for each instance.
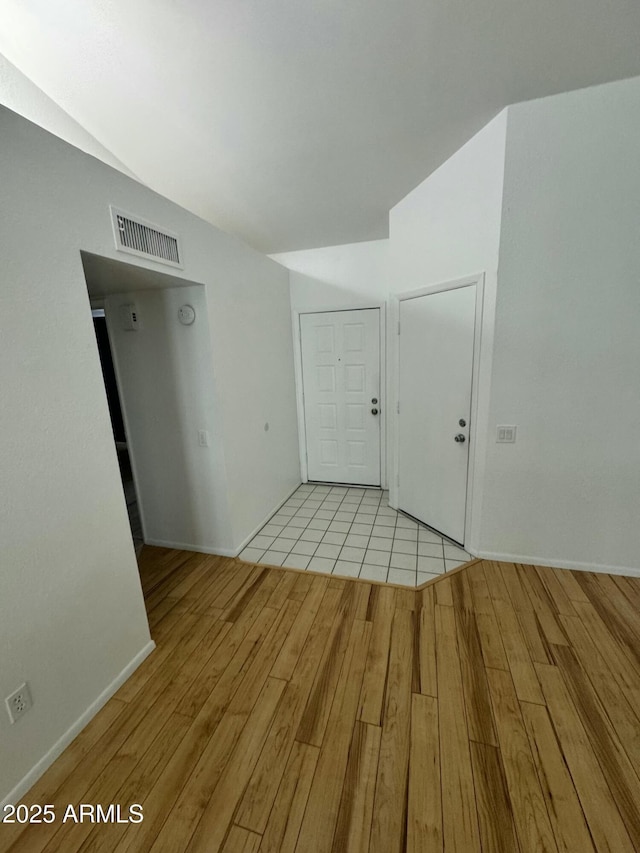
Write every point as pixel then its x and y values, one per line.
pixel 494 710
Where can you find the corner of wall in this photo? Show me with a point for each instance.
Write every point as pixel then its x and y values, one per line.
pixel 30 778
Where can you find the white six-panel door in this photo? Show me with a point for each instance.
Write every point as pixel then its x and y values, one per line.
pixel 341 381
pixel 436 369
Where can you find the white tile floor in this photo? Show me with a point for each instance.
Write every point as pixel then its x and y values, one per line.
pixel 351 532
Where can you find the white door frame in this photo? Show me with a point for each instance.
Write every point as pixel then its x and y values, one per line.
pixel 474 432
pixel 297 365
pixel 109 317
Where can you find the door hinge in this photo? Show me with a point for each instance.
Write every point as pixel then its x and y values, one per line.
pixel 398 326
pixel 398 407
pixel 397 479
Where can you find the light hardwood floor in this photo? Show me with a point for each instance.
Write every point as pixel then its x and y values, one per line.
pixel 494 710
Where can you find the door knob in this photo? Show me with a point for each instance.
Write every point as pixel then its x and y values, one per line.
pixel 374 411
pixel 462 422
pixel 374 400
pixel 460 438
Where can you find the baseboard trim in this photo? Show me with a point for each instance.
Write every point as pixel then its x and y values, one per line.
pixel 29 780
pixel 560 564
pixel 248 539
pixel 221 552
pixel 188 546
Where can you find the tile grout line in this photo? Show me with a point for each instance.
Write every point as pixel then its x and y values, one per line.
pixel 355 507
pixel 342 507
pixel 371 536
pixel 330 521
pixel 359 508
pixel 347 535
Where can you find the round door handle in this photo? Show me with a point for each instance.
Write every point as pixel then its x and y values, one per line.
pixel 460 438
pixel 374 411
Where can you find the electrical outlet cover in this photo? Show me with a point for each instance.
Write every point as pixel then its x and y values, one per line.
pixel 19 702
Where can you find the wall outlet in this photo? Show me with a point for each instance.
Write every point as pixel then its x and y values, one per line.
pixel 19 702
pixel 506 434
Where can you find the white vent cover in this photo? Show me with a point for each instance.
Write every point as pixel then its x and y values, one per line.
pixel 137 237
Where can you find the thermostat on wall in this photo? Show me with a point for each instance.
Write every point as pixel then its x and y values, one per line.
pixel 186 315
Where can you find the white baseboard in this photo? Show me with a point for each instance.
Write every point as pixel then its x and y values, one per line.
pixel 188 546
pixel 28 781
pixel 248 539
pixel 221 552
pixel 560 564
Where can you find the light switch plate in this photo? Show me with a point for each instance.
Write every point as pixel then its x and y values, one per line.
pixel 505 434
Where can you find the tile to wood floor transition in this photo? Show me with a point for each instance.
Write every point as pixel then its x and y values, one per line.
pixel 352 532
pixel 493 710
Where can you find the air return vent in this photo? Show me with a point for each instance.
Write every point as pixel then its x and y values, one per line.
pixel 137 237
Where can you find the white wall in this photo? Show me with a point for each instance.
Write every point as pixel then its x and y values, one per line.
pixel 254 372
pixel 165 380
pixel 337 276
pixel 71 611
pixel 20 94
pixel 449 226
pixel 567 347
pixel 252 345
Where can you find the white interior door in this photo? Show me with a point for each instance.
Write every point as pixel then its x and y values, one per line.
pixel 341 381
pixel 436 369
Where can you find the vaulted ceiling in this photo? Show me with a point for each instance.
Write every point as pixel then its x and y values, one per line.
pixel 300 123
